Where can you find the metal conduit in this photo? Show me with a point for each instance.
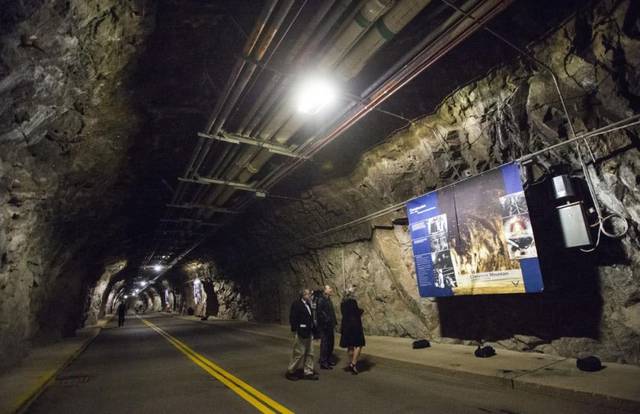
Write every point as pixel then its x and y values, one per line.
pixel 247 72
pixel 235 73
pixel 401 13
pixel 445 42
pixel 386 92
pixel 227 157
pixel 256 47
pixel 374 10
pixel 222 161
pixel 249 48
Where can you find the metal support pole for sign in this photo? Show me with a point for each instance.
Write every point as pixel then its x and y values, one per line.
pixel 240 139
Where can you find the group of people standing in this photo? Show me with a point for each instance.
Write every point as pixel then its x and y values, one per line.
pixel 315 318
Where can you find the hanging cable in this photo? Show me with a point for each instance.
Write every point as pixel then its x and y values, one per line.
pixel 586 172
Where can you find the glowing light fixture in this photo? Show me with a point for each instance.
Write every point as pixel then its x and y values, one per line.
pixel 158 267
pixel 143 283
pixel 314 94
pixel 126 296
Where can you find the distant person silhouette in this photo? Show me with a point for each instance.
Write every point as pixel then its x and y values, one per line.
pixel 122 310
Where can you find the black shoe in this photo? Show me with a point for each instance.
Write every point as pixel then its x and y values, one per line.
pixel 333 363
pixel 326 366
pixel 291 376
pixel 353 369
pixel 312 377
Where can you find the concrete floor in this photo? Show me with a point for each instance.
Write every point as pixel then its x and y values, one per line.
pixel 135 369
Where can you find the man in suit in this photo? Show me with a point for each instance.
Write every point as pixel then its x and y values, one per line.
pixel 326 326
pixel 301 321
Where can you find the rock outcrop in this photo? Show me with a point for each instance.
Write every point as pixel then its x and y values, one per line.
pixel 64 133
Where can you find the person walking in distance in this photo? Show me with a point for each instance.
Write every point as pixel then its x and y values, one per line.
pixel 326 325
pixel 351 329
pixel 301 321
pixel 122 311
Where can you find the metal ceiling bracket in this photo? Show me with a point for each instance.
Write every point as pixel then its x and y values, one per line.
pixel 241 139
pixel 187 220
pixel 204 207
pixel 236 185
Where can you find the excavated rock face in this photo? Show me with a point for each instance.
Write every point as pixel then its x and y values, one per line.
pixel 64 130
pixel 591 300
pixel 99 101
pixel 208 292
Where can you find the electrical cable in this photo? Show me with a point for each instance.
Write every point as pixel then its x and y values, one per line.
pixel 587 173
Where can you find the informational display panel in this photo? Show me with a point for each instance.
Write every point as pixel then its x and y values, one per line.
pixel 475 238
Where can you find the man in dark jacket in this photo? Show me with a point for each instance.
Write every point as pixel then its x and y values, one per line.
pixel 326 326
pixel 122 310
pixel 301 320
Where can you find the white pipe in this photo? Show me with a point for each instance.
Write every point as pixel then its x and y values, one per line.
pixel 368 14
pixel 383 31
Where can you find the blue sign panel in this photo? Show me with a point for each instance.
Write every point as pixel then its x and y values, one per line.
pixel 475 238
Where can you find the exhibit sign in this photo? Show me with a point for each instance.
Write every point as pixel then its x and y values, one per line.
pixel 475 237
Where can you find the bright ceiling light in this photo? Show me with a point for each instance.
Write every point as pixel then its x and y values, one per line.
pixel 314 94
pixel 126 296
pixel 158 267
pixel 143 283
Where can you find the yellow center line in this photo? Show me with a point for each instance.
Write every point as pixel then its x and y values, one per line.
pixel 263 403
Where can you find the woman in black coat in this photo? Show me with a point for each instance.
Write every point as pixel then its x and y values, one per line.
pixel 351 329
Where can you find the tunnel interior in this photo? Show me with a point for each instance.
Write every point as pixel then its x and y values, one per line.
pixel 150 156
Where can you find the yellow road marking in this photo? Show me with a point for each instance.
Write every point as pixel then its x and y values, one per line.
pixel 259 400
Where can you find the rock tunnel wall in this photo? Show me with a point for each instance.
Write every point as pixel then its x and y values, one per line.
pixel 208 292
pixel 64 129
pixel 591 304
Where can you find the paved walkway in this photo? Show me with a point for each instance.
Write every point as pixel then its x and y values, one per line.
pixel 20 385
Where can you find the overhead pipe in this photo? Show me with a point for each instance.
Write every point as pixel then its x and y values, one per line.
pixel 318 35
pixel 249 69
pixel 222 163
pixel 384 30
pixel 368 14
pixel 255 41
pixel 445 42
pixel 401 14
pixel 222 160
pixel 371 11
pixel 235 73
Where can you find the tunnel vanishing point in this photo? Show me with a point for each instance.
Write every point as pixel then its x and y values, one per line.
pixel 466 170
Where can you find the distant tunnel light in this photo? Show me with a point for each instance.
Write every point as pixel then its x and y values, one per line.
pixel 143 283
pixel 314 94
pixel 158 267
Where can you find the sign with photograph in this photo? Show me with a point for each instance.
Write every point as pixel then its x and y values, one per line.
pixel 475 237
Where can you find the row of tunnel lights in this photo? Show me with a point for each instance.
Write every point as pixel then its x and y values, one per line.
pixel 144 283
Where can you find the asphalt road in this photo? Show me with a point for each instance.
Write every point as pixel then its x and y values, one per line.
pixel 136 369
